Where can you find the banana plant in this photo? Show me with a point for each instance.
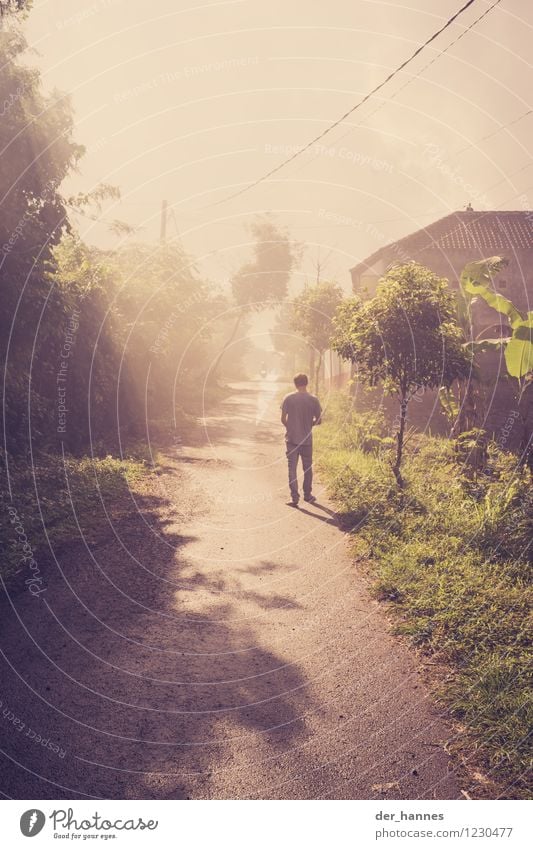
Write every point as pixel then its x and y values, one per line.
pixel 475 281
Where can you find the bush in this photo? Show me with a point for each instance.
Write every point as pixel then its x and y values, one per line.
pixel 367 431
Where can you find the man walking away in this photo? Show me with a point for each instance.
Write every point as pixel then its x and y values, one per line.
pixel 300 412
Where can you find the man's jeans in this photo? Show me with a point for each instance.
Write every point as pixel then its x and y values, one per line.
pixel 306 453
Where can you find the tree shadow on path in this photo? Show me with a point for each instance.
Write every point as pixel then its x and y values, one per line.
pixel 136 676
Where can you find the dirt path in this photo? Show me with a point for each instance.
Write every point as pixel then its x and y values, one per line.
pixel 221 646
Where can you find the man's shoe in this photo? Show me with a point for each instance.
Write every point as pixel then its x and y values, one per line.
pixel 310 498
pixel 293 502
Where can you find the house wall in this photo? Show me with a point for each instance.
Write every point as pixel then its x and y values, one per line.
pixel 515 280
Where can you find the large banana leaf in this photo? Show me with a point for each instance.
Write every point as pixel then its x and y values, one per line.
pixel 475 281
pixel 519 349
pixel 481 271
pixel 448 403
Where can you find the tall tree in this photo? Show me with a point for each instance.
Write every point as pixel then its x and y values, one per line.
pixel 168 311
pixel 289 344
pixel 262 282
pixel 37 153
pixel 312 317
pixel 12 7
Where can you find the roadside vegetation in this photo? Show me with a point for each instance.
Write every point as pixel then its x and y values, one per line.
pixel 58 501
pixel 101 351
pixel 405 338
pixel 452 555
pixel 443 524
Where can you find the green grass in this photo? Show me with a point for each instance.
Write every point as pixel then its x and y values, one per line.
pixel 453 558
pixel 44 498
pixel 51 496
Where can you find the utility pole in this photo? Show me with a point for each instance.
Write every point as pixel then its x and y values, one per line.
pixel 318 267
pixel 163 230
pixel 173 215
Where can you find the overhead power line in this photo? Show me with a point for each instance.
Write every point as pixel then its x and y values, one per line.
pixel 435 58
pixel 350 111
pixel 489 135
pixel 421 71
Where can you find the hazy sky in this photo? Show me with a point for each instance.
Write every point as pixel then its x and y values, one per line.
pixel 189 101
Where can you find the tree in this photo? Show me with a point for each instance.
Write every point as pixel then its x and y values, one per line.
pixel 312 317
pixel 145 323
pixel 288 344
pixel 406 337
pixel 84 285
pixel 263 281
pixel 167 310
pixel 38 152
pixel 8 7
pixel 88 338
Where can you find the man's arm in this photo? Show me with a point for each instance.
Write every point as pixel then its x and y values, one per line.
pixel 318 414
pixel 284 414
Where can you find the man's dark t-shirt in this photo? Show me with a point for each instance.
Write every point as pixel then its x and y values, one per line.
pixel 302 409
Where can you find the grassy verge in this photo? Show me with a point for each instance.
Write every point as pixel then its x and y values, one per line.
pixel 54 501
pixel 453 557
pixel 49 502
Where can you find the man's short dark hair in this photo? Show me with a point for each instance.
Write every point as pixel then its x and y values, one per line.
pixel 300 380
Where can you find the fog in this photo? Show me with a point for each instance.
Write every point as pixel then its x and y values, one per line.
pixel 189 102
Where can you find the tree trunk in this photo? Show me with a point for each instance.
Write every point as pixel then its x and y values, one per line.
pixel 228 343
pixel 317 372
pixel 399 447
pixel 353 375
pixel 469 398
pixel 311 361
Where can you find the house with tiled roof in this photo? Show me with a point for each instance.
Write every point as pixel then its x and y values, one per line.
pixel 446 246
pixel 449 243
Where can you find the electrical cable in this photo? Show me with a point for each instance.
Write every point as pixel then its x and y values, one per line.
pixel 350 111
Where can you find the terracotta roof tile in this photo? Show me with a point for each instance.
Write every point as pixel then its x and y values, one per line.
pixel 486 232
